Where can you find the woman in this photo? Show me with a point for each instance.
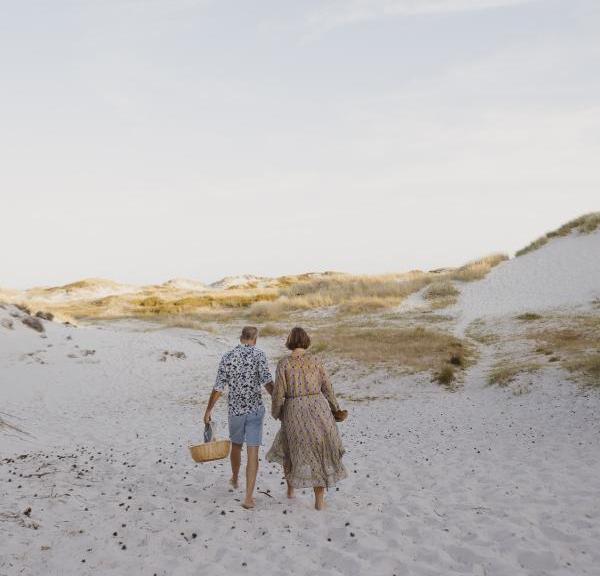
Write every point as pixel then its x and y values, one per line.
pixel 308 445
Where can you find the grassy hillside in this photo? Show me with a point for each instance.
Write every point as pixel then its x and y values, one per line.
pixel 275 299
pixel 585 224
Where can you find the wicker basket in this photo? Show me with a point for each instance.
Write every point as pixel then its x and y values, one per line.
pixel 208 451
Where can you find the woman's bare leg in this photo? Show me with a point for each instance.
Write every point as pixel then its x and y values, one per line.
pixel 287 468
pixel 319 497
pixel 290 489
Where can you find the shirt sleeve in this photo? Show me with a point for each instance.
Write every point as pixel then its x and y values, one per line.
pixel 327 388
pixel 264 374
pixel 278 398
pixel 221 379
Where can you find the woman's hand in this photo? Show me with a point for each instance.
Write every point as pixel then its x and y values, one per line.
pixel 207 416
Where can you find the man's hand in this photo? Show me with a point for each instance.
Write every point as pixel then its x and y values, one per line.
pixel 214 396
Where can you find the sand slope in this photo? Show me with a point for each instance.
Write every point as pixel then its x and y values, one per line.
pixel 563 273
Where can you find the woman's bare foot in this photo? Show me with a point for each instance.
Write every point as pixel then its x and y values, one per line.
pixel 234 482
pixel 290 490
pixel 319 498
pixel 249 504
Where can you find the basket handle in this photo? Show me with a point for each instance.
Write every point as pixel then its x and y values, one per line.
pixel 208 432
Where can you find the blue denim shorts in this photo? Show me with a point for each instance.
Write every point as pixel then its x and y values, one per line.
pixel 247 427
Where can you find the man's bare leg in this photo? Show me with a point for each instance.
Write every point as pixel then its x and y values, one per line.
pixel 319 497
pixel 251 472
pixel 236 460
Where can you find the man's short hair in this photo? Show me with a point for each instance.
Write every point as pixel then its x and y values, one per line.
pixel 249 333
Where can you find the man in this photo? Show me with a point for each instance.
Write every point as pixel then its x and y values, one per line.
pixel 244 369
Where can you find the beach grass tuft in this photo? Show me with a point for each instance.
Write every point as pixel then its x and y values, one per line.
pixel 529 316
pixel 503 373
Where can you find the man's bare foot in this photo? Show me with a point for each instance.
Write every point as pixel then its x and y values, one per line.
pixel 249 504
pixel 234 482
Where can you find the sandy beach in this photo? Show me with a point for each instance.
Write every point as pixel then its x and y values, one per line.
pixel 96 478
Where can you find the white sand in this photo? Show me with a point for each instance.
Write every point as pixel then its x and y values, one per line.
pixel 563 273
pixel 476 482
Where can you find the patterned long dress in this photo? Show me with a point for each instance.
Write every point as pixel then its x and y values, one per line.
pixel 308 445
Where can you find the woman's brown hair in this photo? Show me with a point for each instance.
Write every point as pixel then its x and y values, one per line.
pixel 298 338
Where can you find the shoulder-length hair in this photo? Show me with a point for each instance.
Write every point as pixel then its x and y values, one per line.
pixel 298 338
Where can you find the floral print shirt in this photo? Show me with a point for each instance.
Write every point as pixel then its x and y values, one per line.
pixel 244 369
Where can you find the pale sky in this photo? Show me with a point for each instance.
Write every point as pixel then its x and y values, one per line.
pixel 142 140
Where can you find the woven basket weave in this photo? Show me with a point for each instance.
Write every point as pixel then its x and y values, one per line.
pixel 209 451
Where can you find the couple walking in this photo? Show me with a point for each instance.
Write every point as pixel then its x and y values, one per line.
pixel 308 444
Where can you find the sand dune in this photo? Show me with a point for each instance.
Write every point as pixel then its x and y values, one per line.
pixel 184 284
pixel 82 289
pixel 95 476
pixel 563 273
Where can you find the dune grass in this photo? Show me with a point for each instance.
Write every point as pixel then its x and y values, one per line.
pixel 278 309
pixel 155 305
pixel 350 294
pixel 505 372
pixel 355 295
pixel 584 225
pixel 338 288
pixel 574 342
pixel 445 376
pixel 278 299
pixel 414 349
pixel 587 367
pixel 367 305
pixel 272 330
pixel 529 316
pixel 441 294
pixel 440 289
pixel 477 269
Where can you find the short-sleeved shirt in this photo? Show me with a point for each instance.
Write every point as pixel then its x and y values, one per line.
pixel 244 369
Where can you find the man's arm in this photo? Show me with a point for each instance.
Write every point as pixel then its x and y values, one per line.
pixel 217 391
pixel 214 396
pixel 264 374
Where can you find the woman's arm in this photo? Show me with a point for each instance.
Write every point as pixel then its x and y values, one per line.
pixel 278 396
pixel 327 388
